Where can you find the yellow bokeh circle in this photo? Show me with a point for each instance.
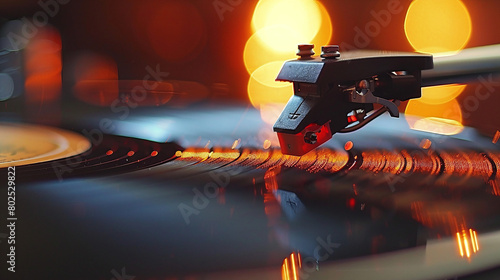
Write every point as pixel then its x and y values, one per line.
pixel 438 26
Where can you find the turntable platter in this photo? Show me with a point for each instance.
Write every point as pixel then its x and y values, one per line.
pixel 24 144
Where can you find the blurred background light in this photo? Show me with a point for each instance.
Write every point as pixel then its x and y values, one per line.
pixel 279 26
pixel 441 94
pixel 444 118
pixel 43 65
pixel 96 78
pixel 439 28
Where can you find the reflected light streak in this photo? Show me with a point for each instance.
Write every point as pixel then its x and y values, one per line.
pixel 467 243
pixel 496 137
pixel 459 241
pixel 290 267
pixel 438 126
pixel 236 143
pixel 475 240
pixel 294 269
pixel 474 249
pixel 285 272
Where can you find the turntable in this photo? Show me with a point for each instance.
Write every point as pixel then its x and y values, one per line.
pixel 154 152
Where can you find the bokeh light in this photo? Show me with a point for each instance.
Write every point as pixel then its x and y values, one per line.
pixel 43 65
pixel 90 66
pixel 445 118
pixel 439 28
pixel 257 53
pixel 302 17
pixel 441 94
pixel 279 26
pixel 96 79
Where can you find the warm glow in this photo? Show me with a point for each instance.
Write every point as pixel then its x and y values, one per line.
pixel 467 243
pixel 279 26
pixel 260 94
pixel 425 144
pixel 290 267
pixel 43 65
pixel 263 89
pixel 441 94
pixel 266 145
pixel 302 17
pixel 29 144
pixel 270 112
pixel 438 125
pixel 285 272
pixel 236 143
pixel 176 30
pixel 474 235
pixel 278 42
pixel 472 240
pixel 442 26
pixel 96 79
pixel 294 268
pixel 459 242
pixel 256 53
pixel 443 118
pixel 496 137
pixel 348 145
pixel 266 75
